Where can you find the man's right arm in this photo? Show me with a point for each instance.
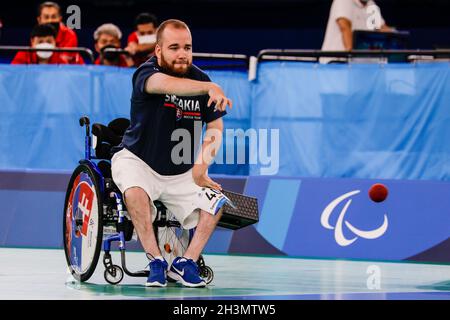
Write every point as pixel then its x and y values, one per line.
pixel 160 83
pixel 345 26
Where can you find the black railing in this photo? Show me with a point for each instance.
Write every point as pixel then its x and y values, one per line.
pixel 292 54
pixel 87 52
pixel 343 56
pixel 234 58
pixel 242 61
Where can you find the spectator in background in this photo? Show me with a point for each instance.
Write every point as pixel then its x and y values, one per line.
pixel 347 16
pixel 142 42
pixel 50 12
pixel 42 36
pixel 106 36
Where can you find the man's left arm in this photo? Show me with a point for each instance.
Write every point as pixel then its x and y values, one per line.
pixel 211 144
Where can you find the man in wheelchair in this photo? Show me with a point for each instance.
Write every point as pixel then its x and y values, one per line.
pixel 171 96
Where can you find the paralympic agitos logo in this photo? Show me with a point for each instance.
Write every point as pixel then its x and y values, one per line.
pixel 338 228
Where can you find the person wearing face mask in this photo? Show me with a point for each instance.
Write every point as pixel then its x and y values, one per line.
pixel 347 16
pixel 106 36
pixel 42 36
pixel 142 42
pixel 50 12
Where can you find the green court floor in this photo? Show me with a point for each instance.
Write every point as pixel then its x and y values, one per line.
pixel 42 274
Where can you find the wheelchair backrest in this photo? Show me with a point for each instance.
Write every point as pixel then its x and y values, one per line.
pixel 107 137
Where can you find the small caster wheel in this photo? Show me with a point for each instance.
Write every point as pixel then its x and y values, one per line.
pixel 113 274
pixel 207 274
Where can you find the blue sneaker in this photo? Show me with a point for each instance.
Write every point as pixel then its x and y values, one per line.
pixel 157 276
pixel 186 271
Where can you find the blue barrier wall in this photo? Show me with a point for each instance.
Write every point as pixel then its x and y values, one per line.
pixel 40 107
pixel 359 121
pixel 411 224
pixel 356 121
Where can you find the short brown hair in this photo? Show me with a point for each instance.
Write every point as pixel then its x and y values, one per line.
pixel 49 4
pixel 177 24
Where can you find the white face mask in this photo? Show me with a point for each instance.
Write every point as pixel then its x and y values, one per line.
pixel 44 54
pixel 148 38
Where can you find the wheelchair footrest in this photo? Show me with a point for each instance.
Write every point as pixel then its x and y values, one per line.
pixel 142 273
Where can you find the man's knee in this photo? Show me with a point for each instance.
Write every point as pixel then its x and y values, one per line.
pixel 136 198
pixel 135 192
pixel 213 218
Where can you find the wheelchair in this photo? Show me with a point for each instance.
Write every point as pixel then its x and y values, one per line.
pixel 95 215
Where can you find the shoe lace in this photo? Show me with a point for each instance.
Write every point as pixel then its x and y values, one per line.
pixel 156 265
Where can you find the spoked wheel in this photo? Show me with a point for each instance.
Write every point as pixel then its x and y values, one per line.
pixel 173 240
pixel 113 274
pixel 82 223
pixel 207 274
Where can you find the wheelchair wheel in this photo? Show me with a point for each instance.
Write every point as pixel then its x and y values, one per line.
pixel 82 222
pixel 207 274
pixel 114 274
pixel 205 271
pixel 173 240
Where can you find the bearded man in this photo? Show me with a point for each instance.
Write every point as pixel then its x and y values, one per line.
pixel 171 94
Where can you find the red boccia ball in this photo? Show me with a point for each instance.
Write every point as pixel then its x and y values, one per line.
pixel 378 192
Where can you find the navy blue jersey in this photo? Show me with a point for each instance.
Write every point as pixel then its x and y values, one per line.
pixel 155 117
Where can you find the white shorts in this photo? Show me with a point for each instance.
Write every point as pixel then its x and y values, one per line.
pixel 178 193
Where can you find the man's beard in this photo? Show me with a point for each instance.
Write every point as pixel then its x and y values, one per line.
pixel 169 68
